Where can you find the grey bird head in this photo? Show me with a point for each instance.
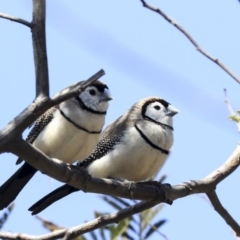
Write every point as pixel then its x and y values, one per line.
pixel 153 108
pixel 96 96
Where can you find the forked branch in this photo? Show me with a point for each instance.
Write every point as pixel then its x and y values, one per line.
pixel 15 19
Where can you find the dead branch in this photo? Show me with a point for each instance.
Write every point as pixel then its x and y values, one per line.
pixel 191 39
pixel 223 212
pixel 15 19
pixel 40 49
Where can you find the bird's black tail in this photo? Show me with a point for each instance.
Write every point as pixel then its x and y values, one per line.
pixel 52 197
pixel 13 186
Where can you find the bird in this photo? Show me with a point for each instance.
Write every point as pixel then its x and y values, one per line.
pixel 134 147
pixel 68 132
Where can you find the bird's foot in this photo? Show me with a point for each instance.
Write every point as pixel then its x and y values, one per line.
pixel 130 184
pixel 161 189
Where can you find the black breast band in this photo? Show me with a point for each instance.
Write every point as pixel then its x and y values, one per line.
pixel 76 125
pixel 149 142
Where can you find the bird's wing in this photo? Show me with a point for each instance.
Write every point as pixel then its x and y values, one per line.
pixel 39 125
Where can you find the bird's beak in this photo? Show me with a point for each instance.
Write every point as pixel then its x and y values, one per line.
pixel 106 96
pixel 171 111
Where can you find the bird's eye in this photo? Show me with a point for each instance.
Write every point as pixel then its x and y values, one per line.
pixel 92 92
pixel 157 107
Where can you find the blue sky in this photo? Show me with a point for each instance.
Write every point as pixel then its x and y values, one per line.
pixel 142 55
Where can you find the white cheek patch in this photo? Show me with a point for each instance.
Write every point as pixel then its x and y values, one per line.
pixel 155 114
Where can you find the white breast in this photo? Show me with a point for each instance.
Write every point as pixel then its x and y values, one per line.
pixel 62 140
pixel 134 159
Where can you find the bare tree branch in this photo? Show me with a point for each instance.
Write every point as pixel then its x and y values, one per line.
pixel 40 49
pixel 223 212
pixel 106 219
pixel 146 191
pixel 190 38
pixel 21 236
pixel 76 88
pixel 229 106
pixel 80 179
pixel 15 19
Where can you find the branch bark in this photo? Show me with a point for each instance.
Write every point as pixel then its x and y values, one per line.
pixel 15 19
pixel 223 212
pixel 40 49
pixel 143 191
pixel 192 40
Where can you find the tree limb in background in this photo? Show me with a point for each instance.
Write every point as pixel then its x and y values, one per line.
pixel 222 211
pixel 15 19
pixel 190 38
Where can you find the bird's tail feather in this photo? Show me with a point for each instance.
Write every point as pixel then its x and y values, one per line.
pixel 52 197
pixel 13 186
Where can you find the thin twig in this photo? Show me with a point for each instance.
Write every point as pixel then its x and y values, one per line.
pixel 212 195
pixel 40 49
pixel 22 236
pixel 190 38
pixel 15 19
pixel 229 106
pixel 107 219
pixel 76 88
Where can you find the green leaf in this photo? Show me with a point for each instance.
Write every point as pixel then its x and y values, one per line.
pixel 80 238
pixel 129 237
pixel 123 202
pixel 154 228
pixel 130 226
pixel 6 214
pixel 235 118
pixel 99 214
pixel 112 203
pixel 120 229
pixel 162 178
pixel 148 215
pixel 115 205
pixel 93 235
pixel 102 233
